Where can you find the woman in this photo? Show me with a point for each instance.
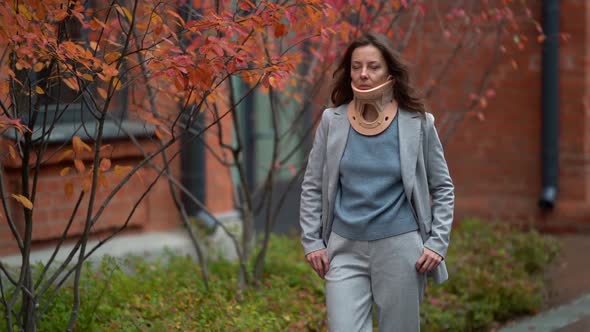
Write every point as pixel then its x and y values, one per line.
pixel 377 199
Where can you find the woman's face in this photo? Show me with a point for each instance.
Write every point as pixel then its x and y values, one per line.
pixel 368 68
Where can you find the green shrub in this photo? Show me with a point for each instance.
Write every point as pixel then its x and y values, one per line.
pixel 495 276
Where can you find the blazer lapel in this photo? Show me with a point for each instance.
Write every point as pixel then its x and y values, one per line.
pixel 409 144
pixel 337 137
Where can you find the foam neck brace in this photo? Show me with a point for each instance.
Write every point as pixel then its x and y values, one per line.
pixel 372 111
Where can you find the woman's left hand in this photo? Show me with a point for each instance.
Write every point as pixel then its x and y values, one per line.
pixel 429 261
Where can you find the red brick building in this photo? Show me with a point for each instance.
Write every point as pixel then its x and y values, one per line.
pixel 496 163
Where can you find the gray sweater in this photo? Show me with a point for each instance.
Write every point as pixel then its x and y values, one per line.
pixel 370 201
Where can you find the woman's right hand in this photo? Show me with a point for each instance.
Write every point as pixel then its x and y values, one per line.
pixel 319 261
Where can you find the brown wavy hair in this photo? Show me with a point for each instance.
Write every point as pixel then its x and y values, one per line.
pixel 403 91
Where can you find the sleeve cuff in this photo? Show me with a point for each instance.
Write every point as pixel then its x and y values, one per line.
pixel 438 252
pixel 315 246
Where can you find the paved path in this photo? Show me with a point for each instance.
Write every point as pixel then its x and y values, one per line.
pixel 571 317
pixel 568 306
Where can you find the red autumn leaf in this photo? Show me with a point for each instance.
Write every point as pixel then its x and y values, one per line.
pixel 106 147
pixel 79 165
pixel 66 154
pixel 60 14
pixel 122 170
pixel 38 67
pixel 79 145
pixel 102 92
pixel 117 83
pixel 112 57
pixel 87 184
pixel 96 24
pixel 11 152
pixel 125 12
pixel 105 164
pixel 71 83
pixel 159 134
pixel 65 171
pixel 246 5
pixel 280 30
pixel 25 202
pixel 217 49
pixel 173 13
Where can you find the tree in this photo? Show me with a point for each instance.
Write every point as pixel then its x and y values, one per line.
pixel 72 59
pixel 171 61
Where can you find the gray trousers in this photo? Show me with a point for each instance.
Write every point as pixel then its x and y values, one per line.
pixel 382 272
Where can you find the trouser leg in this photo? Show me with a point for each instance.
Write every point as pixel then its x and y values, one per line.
pixel 397 286
pixel 348 286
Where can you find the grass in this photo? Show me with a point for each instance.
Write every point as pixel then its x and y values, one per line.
pixel 496 275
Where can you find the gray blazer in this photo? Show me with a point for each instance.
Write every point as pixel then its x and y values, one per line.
pixel 425 176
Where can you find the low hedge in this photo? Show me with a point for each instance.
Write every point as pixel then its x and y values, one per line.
pixel 495 276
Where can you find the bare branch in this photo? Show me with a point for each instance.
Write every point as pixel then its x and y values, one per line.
pixel 410 30
pixel 176 199
pixel 102 242
pixel 8 212
pixel 128 176
pixel 483 84
pixel 259 263
pixel 7 309
pixel 60 241
pixel 96 170
pixel 8 276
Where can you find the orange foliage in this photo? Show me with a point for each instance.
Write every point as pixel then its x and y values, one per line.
pixel 185 56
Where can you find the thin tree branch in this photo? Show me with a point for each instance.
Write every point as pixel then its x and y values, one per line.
pixel 62 239
pixel 96 170
pixel 259 263
pixel 179 205
pixel 8 212
pixel 8 276
pixel 483 84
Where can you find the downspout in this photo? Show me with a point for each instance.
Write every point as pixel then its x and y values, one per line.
pixel 194 175
pixel 550 105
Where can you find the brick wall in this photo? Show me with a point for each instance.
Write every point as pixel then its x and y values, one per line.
pixel 155 212
pixel 53 207
pixel 496 163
